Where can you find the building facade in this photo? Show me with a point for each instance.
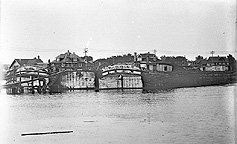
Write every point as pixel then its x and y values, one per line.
pixel 71 61
pixel 216 64
pixel 77 72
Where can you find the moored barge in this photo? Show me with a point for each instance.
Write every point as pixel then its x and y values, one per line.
pixel 180 78
pixel 165 75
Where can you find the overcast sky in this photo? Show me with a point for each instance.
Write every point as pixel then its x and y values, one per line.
pixel 113 27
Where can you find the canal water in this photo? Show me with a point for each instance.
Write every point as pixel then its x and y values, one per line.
pixel 181 116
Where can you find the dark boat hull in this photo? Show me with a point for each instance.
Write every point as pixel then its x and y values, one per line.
pixel 70 80
pixel 153 81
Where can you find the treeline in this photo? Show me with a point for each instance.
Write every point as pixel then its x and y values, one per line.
pixel 126 58
pixel 178 60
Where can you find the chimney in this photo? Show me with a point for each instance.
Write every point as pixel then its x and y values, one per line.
pixel 147 57
pixel 135 56
pixel 38 57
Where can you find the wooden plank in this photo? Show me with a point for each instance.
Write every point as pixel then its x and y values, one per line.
pixel 45 133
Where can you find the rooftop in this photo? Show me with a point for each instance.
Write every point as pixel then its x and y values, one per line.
pixel 22 62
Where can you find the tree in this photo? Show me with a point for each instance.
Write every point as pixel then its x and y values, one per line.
pixel 199 58
pixel 163 57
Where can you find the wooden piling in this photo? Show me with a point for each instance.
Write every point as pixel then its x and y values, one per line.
pixel 96 84
pixel 32 85
pixel 121 82
pixel 39 87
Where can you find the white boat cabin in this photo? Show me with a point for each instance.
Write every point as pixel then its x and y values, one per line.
pixel 162 67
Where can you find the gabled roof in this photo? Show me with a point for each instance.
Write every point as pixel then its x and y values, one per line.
pixel 218 59
pixel 67 57
pixel 22 62
pixel 61 56
pixel 147 54
pixel 73 55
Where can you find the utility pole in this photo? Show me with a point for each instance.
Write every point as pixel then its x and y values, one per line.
pixel 155 51
pixel 212 52
pixel 86 51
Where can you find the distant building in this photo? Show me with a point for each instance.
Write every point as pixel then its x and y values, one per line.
pixel 216 64
pixel 17 63
pixel 217 61
pixel 146 57
pixel 71 61
pixel 146 61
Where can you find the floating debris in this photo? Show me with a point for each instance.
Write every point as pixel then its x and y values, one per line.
pixel 44 133
pixel 89 121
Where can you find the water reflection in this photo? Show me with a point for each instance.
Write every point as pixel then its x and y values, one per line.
pixel 155 98
pixel 139 98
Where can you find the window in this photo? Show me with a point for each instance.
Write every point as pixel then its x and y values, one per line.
pixel 165 68
pixel 139 59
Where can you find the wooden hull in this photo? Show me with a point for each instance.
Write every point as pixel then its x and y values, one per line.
pixel 72 80
pixel 164 80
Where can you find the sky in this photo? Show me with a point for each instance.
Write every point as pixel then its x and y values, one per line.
pixel 115 27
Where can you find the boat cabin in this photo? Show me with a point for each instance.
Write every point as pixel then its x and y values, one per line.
pixel 164 67
pixel 161 67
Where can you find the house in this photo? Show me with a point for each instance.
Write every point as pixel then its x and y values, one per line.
pixel 71 61
pixel 146 61
pixel 217 63
pixel 17 63
pixel 146 57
